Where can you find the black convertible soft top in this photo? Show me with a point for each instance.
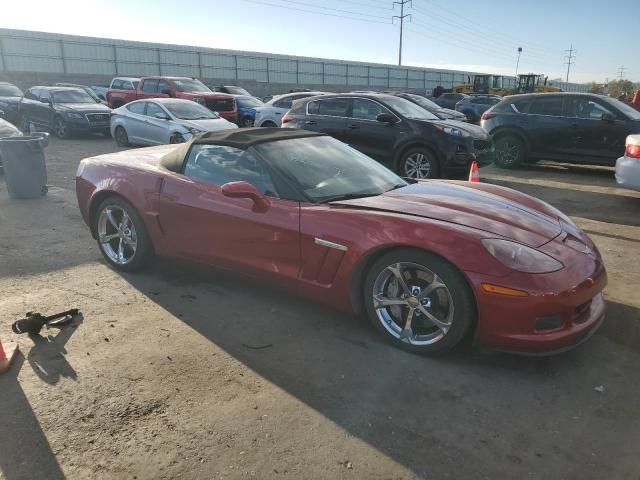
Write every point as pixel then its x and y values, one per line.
pixel 241 138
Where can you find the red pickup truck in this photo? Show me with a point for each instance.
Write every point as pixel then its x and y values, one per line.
pixel 175 87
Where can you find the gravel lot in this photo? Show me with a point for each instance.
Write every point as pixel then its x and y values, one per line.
pixel 187 373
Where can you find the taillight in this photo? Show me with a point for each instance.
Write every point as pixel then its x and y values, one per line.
pixel 287 118
pixel 487 115
pixel 632 151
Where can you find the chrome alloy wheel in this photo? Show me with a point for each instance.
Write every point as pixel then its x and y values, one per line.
pixel 117 235
pixel 60 128
pixel 417 165
pixel 412 303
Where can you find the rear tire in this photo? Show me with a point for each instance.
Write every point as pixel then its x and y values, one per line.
pixel 510 151
pixel 122 139
pixel 24 125
pixel 419 163
pixel 129 230
pixel 447 298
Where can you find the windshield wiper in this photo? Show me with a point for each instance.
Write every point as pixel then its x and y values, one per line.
pixel 349 196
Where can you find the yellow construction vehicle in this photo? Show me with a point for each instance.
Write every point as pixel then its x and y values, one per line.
pixel 487 84
pixel 534 83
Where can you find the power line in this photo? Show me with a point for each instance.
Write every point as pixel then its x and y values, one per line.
pixel 499 35
pixel 260 2
pixel 460 28
pixel 360 3
pixel 401 17
pixel 568 63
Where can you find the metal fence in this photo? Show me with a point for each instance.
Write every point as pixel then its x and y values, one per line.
pixel 50 53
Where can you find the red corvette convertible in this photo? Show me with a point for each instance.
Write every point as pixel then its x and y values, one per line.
pixel 429 262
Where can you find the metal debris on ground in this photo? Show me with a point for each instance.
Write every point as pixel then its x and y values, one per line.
pixel 34 321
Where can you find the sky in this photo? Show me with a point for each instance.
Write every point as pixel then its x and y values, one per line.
pixel 476 35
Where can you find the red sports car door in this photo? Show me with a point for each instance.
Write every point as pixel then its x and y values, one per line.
pixel 200 223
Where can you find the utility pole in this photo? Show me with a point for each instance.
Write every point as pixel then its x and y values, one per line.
pixel 569 57
pixel 518 60
pixel 401 17
pixel 621 72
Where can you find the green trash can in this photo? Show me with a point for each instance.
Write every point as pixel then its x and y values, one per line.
pixel 24 165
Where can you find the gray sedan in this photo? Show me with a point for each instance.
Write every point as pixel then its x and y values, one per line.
pixel 159 121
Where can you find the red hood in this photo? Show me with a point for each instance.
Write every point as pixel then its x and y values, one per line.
pixel 221 96
pixel 497 210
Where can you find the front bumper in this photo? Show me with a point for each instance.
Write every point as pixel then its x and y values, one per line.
pixel 83 125
pixel 572 296
pixel 459 159
pixel 628 173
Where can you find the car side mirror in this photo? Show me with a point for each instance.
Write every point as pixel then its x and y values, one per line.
pixel 246 190
pixel 45 100
pixel 166 91
pixel 161 116
pixel 386 118
pixel 608 117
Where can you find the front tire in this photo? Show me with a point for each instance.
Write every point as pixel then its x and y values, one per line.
pixel 176 138
pixel 122 139
pixel 510 152
pixel 268 123
pixel 419 163
pixel 60 128
pixel 122 236
pixel 418 301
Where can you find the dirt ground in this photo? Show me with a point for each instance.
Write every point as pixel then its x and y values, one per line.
pixel 188 373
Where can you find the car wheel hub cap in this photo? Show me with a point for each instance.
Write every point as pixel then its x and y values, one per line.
pixel 412 303
pixel 117 235
pixel 417 165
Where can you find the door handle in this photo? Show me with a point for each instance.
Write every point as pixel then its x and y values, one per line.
pixel 353 127
pixel 278 113
pixel 310 122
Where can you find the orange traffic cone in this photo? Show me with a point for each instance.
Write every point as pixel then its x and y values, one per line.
pixel 7 354
pixel 474 175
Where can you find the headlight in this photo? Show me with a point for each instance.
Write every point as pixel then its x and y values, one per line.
pixel 195 131
pixel 520 257
pixel 73 115
pixel 199 100
pixel 456 132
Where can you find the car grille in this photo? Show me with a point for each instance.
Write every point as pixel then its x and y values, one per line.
pixel 223 105
pixel 482 145
pixel 98 117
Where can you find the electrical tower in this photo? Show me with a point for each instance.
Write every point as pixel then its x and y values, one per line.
pixel 621 72
pixel 568 63
pixel 401 17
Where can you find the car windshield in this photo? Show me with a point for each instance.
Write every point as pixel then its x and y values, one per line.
pixel 190 85
pixel 325 169
pixel 424 102
pixel 627 110
pixel 237 91
pixel 409 109
pixel 71 96
pixel 188 110
pixel 245 101
pixel 8 90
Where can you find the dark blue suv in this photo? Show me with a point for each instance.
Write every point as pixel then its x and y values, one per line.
pixel 473 106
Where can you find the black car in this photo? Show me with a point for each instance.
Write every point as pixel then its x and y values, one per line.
pixel 440 112
pixel 449 100
pixel 394 131
pixel 64 110
pixel 565 127
pixel 10 96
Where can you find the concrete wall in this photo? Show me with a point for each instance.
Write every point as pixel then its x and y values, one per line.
pixel 29 58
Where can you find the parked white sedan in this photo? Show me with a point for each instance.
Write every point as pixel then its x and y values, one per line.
pixel 628 167
pixel 157 121
pixel 270 115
